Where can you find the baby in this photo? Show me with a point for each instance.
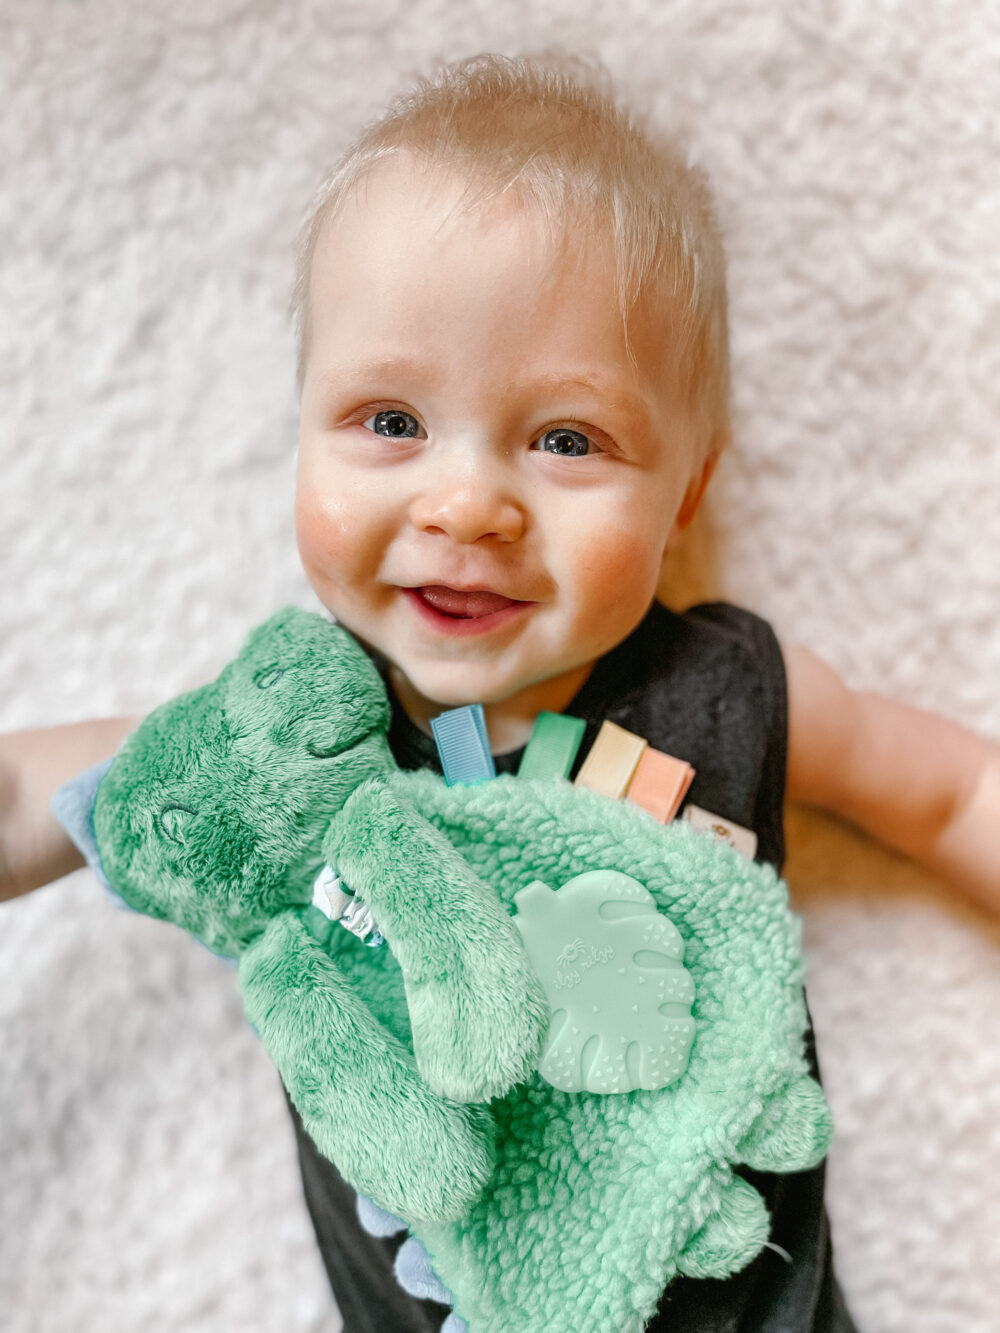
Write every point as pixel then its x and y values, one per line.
pixel 514 390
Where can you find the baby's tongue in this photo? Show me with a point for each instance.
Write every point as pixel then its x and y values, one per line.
pixel 469 604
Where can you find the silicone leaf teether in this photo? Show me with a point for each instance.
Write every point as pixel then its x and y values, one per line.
pixel 612 969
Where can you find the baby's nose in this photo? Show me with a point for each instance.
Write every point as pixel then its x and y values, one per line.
pixel 466 508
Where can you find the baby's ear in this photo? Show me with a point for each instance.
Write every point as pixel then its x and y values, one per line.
pixel 696 487
pixel 690 504
pixel 689 566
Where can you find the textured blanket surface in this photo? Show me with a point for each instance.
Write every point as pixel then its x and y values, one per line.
pixel 157 158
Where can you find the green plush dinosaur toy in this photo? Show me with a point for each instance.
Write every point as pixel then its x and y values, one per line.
pixel 429 1071
pixel 213 815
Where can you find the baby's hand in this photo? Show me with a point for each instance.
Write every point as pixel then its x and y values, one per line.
pixel 34 847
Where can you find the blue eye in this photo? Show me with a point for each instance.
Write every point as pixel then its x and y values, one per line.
pixel 566 443
pixel 394 423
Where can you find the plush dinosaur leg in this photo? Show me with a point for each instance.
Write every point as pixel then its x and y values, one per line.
pixel 356 1087
pixel 792 1133
pixel 477 1010
pixel 731 1235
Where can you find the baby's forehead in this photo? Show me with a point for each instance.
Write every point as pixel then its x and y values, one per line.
pixel 396 194
pixel 399 199
pixel 407 253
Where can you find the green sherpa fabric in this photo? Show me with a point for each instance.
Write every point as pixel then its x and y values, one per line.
pixel 596 1202
pixel 412 1065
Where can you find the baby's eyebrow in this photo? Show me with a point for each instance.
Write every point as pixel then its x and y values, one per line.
pixel 430 375
pixel 625 404
pixel 407 368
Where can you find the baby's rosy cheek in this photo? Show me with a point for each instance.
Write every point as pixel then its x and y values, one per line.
pixel 616 568
pixel 324 537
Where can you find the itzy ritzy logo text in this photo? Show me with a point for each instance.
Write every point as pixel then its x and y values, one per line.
pixel 578 955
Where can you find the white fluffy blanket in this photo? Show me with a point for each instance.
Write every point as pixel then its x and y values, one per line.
pixel 157 158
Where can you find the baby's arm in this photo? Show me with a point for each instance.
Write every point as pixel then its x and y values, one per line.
pixel 925 786
pixel 34 849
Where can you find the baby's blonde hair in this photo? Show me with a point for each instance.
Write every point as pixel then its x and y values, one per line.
pixel 548 129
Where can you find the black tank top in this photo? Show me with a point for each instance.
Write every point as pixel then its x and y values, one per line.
pixel 708 687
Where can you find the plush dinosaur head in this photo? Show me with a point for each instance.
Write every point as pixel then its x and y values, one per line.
pixel 214 810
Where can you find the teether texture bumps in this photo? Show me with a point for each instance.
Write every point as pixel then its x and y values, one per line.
pixel 611 966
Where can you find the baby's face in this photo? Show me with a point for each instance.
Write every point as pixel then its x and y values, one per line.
pixel 470 419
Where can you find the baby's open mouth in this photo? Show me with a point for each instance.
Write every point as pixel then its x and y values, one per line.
pixel 463 605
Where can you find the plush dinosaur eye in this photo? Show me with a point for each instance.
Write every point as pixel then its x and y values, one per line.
pixel 270 676
pixel 171 822
pixel 323 751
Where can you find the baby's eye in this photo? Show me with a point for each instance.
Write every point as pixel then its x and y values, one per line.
pixel 392 422
pixel 567 443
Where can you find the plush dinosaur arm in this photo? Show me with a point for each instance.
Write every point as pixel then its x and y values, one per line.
pixel 477 1010
pixel 355 1086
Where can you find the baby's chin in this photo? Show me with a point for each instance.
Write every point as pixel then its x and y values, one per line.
pixel 452 688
